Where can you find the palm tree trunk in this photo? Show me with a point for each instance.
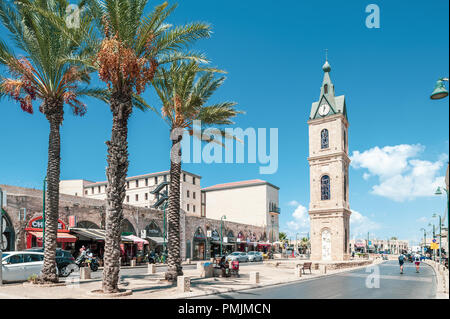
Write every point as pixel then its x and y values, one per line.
pixel 53 110
pixel 121 107
pixel 174 258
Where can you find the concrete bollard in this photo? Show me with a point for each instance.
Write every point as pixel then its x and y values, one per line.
pixel 254 277
pixel 151 269
pixel 323 269
pixel 298 271
pixel 188 261
pixel 183 284
pixel 211 259
pixel 85 273
pixel 133 262
pixel 199 266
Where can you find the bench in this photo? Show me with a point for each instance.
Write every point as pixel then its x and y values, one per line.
pixel 307 265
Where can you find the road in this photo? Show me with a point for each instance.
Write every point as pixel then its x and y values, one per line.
pixel 352 285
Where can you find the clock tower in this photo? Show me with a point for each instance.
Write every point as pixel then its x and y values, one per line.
pixel 329 208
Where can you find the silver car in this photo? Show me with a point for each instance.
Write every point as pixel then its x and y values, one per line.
pixel 254 256
pixel 20 265
pixel 238 255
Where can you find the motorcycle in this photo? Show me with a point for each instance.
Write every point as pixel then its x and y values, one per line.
pixel 87 261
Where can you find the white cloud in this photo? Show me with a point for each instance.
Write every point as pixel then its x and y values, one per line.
pixel 422 220
pixel 360 225
pixel 300 219
pixel 293 203
pixel 401 175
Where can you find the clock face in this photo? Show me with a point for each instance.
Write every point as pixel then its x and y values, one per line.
pixel 324 109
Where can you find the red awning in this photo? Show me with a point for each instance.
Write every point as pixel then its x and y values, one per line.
pixel 62 237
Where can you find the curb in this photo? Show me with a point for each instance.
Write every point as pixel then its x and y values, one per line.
pixel 98 293
pixel 288 281
pixel 440 282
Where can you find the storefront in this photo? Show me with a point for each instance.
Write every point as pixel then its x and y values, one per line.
pixel 199 245
pixel 214 241
pixel 241 242
pixel 229 243
pixel 91 238
pixel 34 234
pixel 155 237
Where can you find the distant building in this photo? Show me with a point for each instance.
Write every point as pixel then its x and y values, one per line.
pixel 389 246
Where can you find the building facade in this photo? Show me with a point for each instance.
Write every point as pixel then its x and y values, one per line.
pixel 386 246
pixel 139 190
pixel 252 202
pixel 328 159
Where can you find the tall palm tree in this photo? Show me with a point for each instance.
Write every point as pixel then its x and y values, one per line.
pixel 184 89
pixel 44 71
pixel 133 46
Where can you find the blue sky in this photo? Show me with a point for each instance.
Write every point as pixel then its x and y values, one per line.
pixel 273 52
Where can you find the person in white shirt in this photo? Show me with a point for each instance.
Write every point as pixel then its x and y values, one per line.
pixel 417 261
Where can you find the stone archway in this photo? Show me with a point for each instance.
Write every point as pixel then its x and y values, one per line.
pixel 326 244
pixel 8 233
pixel 87 224
pixel 127 227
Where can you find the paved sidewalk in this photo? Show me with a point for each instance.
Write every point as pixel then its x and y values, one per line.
pixel 154 286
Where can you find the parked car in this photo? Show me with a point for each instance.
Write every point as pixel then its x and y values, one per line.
pixel 20 265
pixel 238 255
pixel 63 259
pixel 254 256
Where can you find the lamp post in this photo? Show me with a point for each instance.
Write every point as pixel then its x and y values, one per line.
pixel 221 234
pixel 438 192
pixel 440 236
pixel 439 91
pixel 164 226
pixel 424 240
pixel 434 237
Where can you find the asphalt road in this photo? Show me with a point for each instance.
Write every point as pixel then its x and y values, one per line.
pixel 352 285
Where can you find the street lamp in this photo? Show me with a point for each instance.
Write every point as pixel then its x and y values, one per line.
pixel 440 236
pixel 221 235
pixel 439 91
pixel 434 237
pixel 424 240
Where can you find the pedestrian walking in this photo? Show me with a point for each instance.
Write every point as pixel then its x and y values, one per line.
pixel 401 260
pixel 417 261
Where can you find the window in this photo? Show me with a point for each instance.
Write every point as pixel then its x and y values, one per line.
pixel 15 259
pixel 203 211
pixel 325 88
pixel 128 184
pixel 137 183
pixel 146 182
pixel 85 192
pixel 137 197
pixel 324 138
pixel 193 180
pixel 92 190
pixel 193 195
pixel 193 208
pixel 165 178
pixel 76 194
pixel 29 258
pixel 345 141
pixel 187 206
pixel 128 198
pixel 146 196
pixel 99 189
pixel 325 187
pixel 184 177
pixel 187 194
pixel 156 180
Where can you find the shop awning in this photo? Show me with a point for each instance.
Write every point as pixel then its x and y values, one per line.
pixel 157 240
pixel 135 239
pixel 95 234
pixel 62 237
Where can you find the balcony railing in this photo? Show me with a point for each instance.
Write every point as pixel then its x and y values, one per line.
pixel 275 210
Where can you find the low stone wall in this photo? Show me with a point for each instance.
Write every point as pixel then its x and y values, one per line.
pixel 291 264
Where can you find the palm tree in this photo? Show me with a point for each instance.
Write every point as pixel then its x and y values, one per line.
pixel 132 48
pixel 43 72
pixel 184 89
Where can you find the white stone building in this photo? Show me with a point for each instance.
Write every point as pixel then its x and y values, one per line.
pixel 138 190
pixel 252 202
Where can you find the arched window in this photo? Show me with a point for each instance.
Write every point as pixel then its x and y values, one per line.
pixel 87 224
pixel 345 187
pixel 325 187
pixel 325 88
pixel 324 138
pixel 345 141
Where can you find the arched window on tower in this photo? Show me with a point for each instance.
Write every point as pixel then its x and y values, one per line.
pixel 345 187
pixel 324 138
pixel 325 187
pixel 325 88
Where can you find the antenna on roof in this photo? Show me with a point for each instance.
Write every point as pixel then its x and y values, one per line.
pixel 326 54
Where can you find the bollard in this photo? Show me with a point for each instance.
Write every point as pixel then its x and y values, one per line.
pixel 85 273
pixel 151 269
pixel 183 284
pixel 298 271
pixel 254 277
pixel 323 269
pixel 199 266
pixel 211 259
pixel 188 261
pixel 133 263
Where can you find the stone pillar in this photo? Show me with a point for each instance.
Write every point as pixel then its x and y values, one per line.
pixel 188 261
pixel 133 262
pixel 298 271
pixel 183 284
pixel 323 269
pixel 254 277
pixel 85 273
pixel 151 269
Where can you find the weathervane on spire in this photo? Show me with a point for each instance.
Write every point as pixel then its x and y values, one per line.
pixel 326 54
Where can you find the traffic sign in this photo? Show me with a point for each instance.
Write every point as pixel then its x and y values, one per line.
pixel 434 245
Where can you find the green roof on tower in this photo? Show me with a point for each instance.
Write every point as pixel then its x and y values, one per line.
pixel 328 104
